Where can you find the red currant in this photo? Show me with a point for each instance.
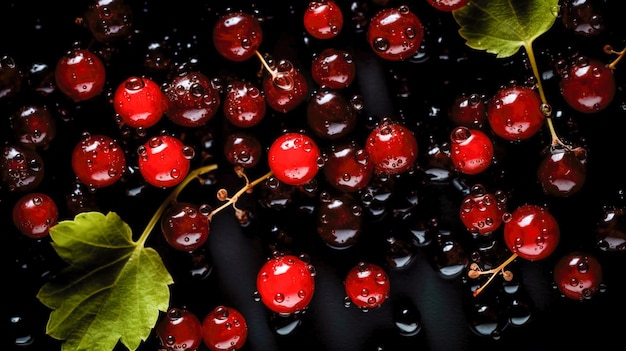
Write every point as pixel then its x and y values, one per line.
pixel 109 21
pixel 225 329
pixel 339 220
pixel 139 102
pixel 588 85
pixel 244 104
pixel 563 171
pixel 333 69
pixel 348 168
pixel 21 168
pixel 294 158
pixel 469 111
pixel 98 160
pixel 237 36
pixel 611 231
pixel 392 147
pixel 34 125
pixel 514 113
pixel 481 212
pixel 471 150
pixel 192 99
pixel 323 19
pixel 395 33
pixel 286 283
pixel 185 226
pixel 242 149
pixel 330 115
pixel 34 214
pixel 531 232
pixel 80 74
pixel 447 5
pixel 578 275
pixel 179 329
pixel 164 160
pixel 367 285
pixel 286 88
pixel 581 17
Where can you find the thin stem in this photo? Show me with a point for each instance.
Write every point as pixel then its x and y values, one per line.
pixel 264 63
pixel 493 272
pixel 620 55
pixel 233 199
pixel 195 174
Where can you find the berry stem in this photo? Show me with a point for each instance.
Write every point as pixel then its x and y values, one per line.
pixel 286 84
pixel 493 272
pixel 195 174
pixel 233 199
pixel 620 55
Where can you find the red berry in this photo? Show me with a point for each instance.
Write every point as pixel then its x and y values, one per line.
pixel 237 36
pixel 581 17
pixel 225 329
pixel 179 329
pixel 285 88
pixel 185 226
pixel 330 115
pixel 164 160
pixel 98 160
pixel 286 284
pixel 109 21
pixel 294 158
pixel 367 285
pixel 244 104
pixel 80 74
pixel 514 113
pixel 481 212
pixel 563 171
pixel 588 85
pixel 578 275
pixel 447 5
pixel 531 232
pixel 348 167
pixel 10 77
pixel 339 220
pixel 34 125
pixel 192 99
pixel 34 214
pixel 471 150
pixel 139 102
pixel 469 111
pixel 242 149
pixel 392 147
pixel 21 168
pixel 323 19
pixel 395 33
pixel 333 69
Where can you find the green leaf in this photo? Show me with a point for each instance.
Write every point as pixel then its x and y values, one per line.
pixel 501 27
pixel 112 289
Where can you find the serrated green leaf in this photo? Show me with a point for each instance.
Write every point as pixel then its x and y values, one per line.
pixel 112 289
pixel 501 27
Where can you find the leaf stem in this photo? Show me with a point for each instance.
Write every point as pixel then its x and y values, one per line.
pixel 195 174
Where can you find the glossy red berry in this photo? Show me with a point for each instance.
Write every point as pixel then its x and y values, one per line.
pixel 285 88
pixel 192 99
pixel 294 158
pixel 563 170
pixel 514 113
pixel 531 232
pixel 339 220
pixel 330 115
pixel 447 5
pixel 348 167
pixel 323 19
pixel 109 20
pixel 80 74
pixel 481 211
pixel 139 102
pixel 164 160
pixel 237 36
pixel 242 149
pixel 367 286
pixel 391 147
pixel 98 160
pixel 333 69
pixel 578 275
pixel 471 150
pixel 21 168
pixel 244 104
pixel 34 125
pixel 469 111
pixel 179 329
pixel 185 226
pixel 34 214
pixel 582 17
pixel 588 85
pixel 286 284
pixel 225 329
pixel 395 33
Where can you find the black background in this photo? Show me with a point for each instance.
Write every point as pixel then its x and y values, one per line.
pixel 39 31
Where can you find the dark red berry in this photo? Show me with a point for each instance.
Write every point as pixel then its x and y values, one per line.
pixel 392 147
pixel 98 160
pixel 285 88
pixel 578 275
pixel 471 150
pixel 179 329
pixel 514 113
pixel 164 160
pixel 469 111
pixel 10 77
pixel 237 36
pixel 531 232
pixel 109 20
pixel 367 286
pixel 34 214
pixel 192 99
pixel 185 226
pixel 80 74
pixel 242 149
pixel 225 329
pixel 244 104
pixel 588 85
pixel 447 5
pixel 582 17
pixel 21 168
pixel 323 19
pixel 339 220
pixel 348 168
pixel 563 171
pixel 330 115
pixel 333 69
pixel 34 125
pixel 481 212
pixel 139 102
pixel 395 33
pixel 286 283
pixel 294 158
